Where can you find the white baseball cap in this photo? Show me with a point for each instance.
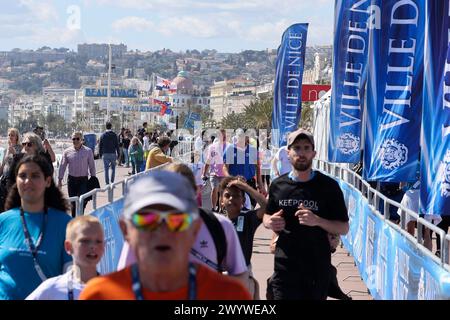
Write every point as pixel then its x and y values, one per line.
pixel 160 187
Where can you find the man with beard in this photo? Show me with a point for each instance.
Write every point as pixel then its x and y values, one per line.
pixel 303 207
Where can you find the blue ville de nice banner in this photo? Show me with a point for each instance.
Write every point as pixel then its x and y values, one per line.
pixel 394 90
pixel 349 78
pixel 435 143
pixel 287 102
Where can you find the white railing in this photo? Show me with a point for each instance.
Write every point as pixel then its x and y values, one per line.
pixel 374 196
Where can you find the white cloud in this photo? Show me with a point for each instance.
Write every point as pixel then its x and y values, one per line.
pixel 132 23
pixel 235 26
pixel 189 25
pixel 233 23
pixel 42 10
pixel 37 23
pixel 53 37
pixel 267 32
pixel 130 4
pixel 320 34
pixel 280 6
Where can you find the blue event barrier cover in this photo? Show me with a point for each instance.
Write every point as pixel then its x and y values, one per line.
pixel 109 217
pixel 390 264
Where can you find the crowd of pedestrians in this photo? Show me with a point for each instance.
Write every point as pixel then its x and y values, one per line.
pixel 175 248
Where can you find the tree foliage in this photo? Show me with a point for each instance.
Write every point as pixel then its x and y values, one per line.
pixel 234 121
pixel 4 125
pixel 56 125
pixel 28 124
pixel 258 114
pixel 307 115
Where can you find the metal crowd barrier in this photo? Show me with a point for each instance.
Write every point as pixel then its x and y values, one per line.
pixel 109 189
pixel 183 151
pixel 373 196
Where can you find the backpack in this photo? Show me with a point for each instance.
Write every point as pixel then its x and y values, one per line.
pixel 217 233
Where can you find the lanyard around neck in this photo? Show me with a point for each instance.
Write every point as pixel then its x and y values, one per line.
pixel 31 246
pixel 137 287
pixel 70 286
pixel 70 295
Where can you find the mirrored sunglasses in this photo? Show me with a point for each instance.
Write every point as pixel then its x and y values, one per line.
pixel 152 220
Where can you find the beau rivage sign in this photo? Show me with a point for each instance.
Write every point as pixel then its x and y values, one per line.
pixel 115 93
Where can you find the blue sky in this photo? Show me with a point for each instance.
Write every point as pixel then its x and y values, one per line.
pixel 224 25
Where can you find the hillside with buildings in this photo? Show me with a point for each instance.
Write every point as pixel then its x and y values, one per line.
pixel 50 85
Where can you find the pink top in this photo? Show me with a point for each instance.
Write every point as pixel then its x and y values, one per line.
pixel 214 157
pixel 234 262
pixel 79 162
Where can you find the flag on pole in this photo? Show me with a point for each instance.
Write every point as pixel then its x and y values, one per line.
pixel 394 90
pixel 435 137
pixel 165 84
pixel 287 102
pixel 349 80
pixel 164 106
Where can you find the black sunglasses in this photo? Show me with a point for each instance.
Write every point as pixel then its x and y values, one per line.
pixel 75 139
pixel 28 144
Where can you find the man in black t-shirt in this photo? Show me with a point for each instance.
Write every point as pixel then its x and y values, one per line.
pixel 303 207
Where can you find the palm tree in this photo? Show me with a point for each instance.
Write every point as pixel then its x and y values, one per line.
pixel 258 114
pixel 233 121
pixel 4 125
pixel 307 115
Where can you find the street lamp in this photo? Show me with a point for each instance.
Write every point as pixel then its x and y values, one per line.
pixel 108 106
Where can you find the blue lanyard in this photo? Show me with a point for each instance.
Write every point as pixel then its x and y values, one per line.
pixel 29 241
pixel 206 260
pixel 137 287
pixel 31 246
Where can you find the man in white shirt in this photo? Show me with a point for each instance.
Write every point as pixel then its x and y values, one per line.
pixel 146 145
pixel 281 163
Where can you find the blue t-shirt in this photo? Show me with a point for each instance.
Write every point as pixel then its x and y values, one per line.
pixel 18 276
pixel 241 162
